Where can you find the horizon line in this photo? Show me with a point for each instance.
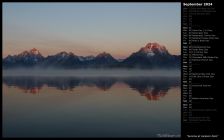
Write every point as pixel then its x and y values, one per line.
pixel 124 57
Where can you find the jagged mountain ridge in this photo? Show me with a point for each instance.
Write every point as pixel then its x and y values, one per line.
pixel 152 55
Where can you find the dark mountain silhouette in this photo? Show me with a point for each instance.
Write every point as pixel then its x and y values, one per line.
pixel 152 55
pixel 102 60
pixel 62 60
pixel 25 59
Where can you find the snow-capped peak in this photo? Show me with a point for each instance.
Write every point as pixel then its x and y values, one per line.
pixel 154 48
pixel 34 51
pixel 62 54
pixel 103 54
pixel 33 54
pixel 90 57
pixel 25 53
pixel 86 58
pixel 9 58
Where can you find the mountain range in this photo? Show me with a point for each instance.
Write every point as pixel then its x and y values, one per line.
pixel 153 55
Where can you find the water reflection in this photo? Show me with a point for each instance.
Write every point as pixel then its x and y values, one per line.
pixel 153 88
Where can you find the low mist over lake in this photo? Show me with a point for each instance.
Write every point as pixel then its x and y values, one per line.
pixel 92 72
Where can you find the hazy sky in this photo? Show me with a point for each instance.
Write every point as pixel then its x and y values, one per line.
pixel 90 28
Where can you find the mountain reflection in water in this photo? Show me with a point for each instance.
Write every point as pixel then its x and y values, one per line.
pixel 151 87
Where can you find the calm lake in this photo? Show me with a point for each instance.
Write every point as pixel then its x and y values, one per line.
pixel 35 106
